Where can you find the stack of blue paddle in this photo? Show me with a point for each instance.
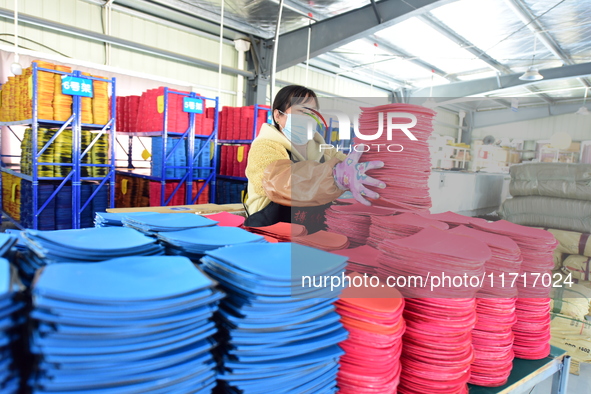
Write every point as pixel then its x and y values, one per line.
pixel 280 336
pixel 106 219
pixel 128 325
pixel 151 224
pixel 194 242
pixel 10 318
pixel 92 244
pixel 6 242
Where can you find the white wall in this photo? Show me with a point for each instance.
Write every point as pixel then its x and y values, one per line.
pixel 578 126
pixel 336 85
pixel 87 15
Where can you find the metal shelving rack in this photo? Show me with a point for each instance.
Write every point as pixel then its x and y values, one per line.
pixel 74 177
pixel 254 133
pixel 192 156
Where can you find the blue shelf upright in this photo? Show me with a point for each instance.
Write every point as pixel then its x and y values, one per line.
pixel 184 141
pixel 73 180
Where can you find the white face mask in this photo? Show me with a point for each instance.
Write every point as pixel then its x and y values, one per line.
pixel 296 129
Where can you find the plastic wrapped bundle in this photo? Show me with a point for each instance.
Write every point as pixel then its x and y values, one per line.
pixel 548 212
pixel 562 180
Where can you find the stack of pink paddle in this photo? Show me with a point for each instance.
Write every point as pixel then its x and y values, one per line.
pixel 353 221
pixel 433 254
pixel 362 259
pixel 407 162
pixel 453 219
pixel 532 329
pixel 373 317
pixel 323 240
pixel 282 231
pixel 227 219
pixel 492 337
pixel 399 226
pixel 437 345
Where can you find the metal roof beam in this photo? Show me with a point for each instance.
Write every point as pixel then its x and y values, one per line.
pixel 473 49
pixel 413 59
pixel 485 85
pixel 498 117
pixel 526 16
pixel 342 29
pixel 463 43
pixel 52 25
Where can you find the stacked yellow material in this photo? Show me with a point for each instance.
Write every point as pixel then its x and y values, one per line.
pixel 100 155
pixel 43 136
pixel 100 102
pixel 62 103
pixel 45 90
pixel 62 153
pixel 86 104
pixel 11 195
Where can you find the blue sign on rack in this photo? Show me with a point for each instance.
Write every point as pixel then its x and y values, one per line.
pixel 74 86
pixel 269 118
pixel 194 105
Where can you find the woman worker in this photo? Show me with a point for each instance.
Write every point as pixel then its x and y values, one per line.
pixel 290 179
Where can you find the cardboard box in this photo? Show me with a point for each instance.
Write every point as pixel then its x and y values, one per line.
pixel 199 208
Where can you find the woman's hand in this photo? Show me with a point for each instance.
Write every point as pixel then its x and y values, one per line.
pixel 350 175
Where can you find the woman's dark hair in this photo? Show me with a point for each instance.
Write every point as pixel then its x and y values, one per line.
pixel 290 95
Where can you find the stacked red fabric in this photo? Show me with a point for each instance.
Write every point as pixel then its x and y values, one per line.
pixel 361 259
pixel 406 171
pixel 437 345
pixel 532 329
pixel 233 160
pixel 226 219
pixel 373 317
pixel 282 231
pixel 180 196
pixel 452 219
pixel 492 338
pixel 430 254
pixel 399 226
pixel 323 240
pixel 353 220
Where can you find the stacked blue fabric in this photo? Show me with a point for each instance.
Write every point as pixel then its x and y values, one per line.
pixel 128 325
pixel 6 242
pixel 178 158
pixel 150 223
pixel 11 319
pixel 106 219
pixel 229 192
pixel 194 242
pixel 280 336
pixel 92 244
pixel 46 219
pixel 203 158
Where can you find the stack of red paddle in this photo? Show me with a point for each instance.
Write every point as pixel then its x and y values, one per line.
pixel 407 162
pixel 373 317
pixel 361 259
pixel 433 254
pixel 323 240
pixel 492 337
pixel 453 219
pixel 353 220
pixel 532 329
pixel 279 232
pixel 437 350
pixel 399 226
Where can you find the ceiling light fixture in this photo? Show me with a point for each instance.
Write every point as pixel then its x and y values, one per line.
pixel 532 73
pixel 583 110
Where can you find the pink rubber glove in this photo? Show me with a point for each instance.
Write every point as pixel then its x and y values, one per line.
pixel 350 175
